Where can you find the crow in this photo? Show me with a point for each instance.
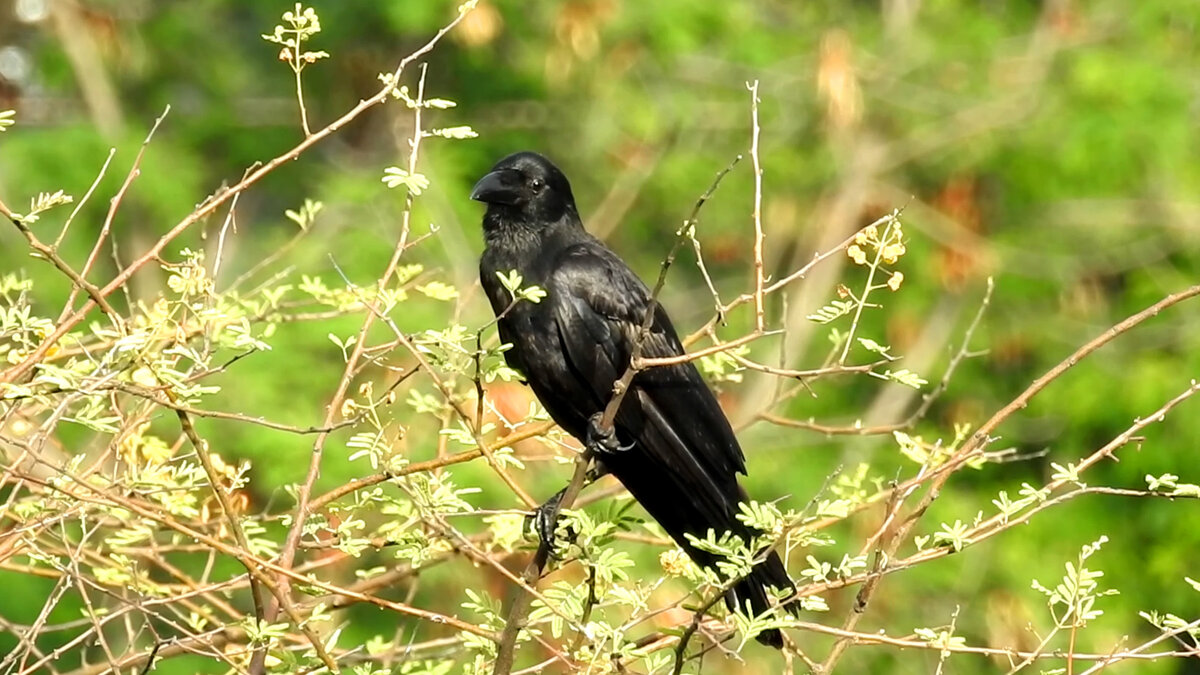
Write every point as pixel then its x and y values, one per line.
pixel 670 444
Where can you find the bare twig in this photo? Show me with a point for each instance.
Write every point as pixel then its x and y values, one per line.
pixel 799 273
pixel 927 399
pixel 135 170
pixel 62 234
pixel 759 319
pixel 49 254
pixel 981 434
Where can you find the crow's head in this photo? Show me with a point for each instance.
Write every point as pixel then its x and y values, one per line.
pixel 525 187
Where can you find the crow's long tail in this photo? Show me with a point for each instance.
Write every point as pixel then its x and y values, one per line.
pixel 753 589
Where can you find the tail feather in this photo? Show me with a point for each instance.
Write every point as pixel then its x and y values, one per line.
pixel 753 589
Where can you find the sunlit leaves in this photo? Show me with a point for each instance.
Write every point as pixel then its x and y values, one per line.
pixel 394 176
pixel 455 133
pixel 834 310
pixel 1072 601
pixel 941 638
pixel 437 290
pixel 512 281
pixel 300 25
pixel 369 444
pixel 954 536
pixel 43 202
pixel 903 376
pixel 723 366
pixel 1170 484
pixel 305 215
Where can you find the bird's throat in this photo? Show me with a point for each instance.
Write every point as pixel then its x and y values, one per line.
pixel 504 228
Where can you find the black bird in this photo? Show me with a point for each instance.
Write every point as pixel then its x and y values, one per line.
pixel 673 448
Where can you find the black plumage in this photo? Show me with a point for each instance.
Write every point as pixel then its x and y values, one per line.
pixel 682 457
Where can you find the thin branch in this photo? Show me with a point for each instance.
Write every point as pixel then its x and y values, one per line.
pixel 879 639
pixel 50 255
pixel 1083 352
pixel 135 170
pixel 1003 522
pixel 800 273
pixel 62 234
pixel 885 548
pixel 93 494
pixel 759 319
pixel 927 400
pixel 257 578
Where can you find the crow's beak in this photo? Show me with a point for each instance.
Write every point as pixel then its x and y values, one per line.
pixel 498 187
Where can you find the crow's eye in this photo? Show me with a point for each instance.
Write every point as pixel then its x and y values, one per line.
pixel 536 184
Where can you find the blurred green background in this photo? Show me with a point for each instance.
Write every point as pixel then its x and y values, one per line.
pixel 1053 145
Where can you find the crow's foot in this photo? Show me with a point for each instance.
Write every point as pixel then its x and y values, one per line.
pixel 544 521
pixel 603 439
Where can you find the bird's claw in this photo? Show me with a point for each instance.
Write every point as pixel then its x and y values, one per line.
pixel 544 521
pixel 602 438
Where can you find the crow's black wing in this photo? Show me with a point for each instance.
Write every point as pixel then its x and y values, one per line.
pixel 684 460
pixel 599 307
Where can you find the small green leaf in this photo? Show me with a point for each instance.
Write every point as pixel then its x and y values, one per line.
pixel 831 312
pixel 395 177
pixel 456 133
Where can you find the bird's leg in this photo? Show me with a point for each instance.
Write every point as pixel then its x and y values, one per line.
pixel 602 439
pixel 544 520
